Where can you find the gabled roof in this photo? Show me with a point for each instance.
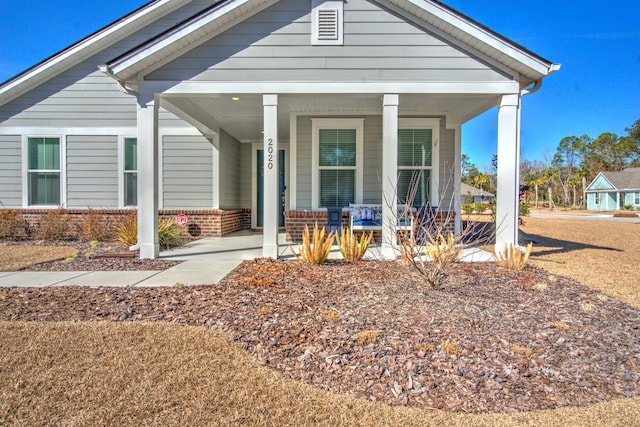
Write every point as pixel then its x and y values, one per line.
pixel 452 24
pixel 86 47
pixel 466 189
pixel 628 179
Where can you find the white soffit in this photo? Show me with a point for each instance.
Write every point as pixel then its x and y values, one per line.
pixel 87 47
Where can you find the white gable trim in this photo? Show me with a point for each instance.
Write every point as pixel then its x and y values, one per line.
pixel 477 37
pixel 87 47
pixel 601 190
pixel 172 44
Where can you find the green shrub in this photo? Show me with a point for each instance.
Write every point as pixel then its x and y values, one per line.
pixel 524 209
pixel 479 207
pixel 55 225
pixel 467 208
pixel 12 225
pixel 169 233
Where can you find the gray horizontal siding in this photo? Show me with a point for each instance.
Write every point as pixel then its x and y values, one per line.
pixel 187 175
pixel 303 164
pixel 92 171
pixel 276 45
pixel 229 165
pixel 11 171
pixel 85 97
pixel 246 172
pixel 372 156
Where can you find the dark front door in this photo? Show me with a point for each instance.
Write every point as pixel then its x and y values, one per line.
pixel 281 185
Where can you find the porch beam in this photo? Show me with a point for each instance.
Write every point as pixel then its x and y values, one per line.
pixel 271 168
pixel 148 176
pixel 508 194
pixel 389 173
pixel 208 88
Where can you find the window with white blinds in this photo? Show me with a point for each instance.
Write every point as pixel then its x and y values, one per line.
pixel 337 162
pixel 415 165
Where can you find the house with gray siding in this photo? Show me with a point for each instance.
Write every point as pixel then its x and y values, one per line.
pixel 610 191
pixel 261 113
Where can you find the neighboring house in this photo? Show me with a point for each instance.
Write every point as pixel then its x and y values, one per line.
pixel 610 191
pixel 259 113
pixel 471 194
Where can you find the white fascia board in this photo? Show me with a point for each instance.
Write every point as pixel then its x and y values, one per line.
pixel 86 48
pixel 600 174
pixel 204 88
pixel 446 20
pixel 155 52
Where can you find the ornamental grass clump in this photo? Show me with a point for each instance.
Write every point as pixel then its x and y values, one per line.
pixel 127 231
pixel 169 233
pixel 351 247
pixel 512 257
pixel 443 250
pixel 314 249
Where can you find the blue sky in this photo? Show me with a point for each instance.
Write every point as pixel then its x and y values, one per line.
pixel 598 44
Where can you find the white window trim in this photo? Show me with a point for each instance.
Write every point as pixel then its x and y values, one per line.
pixel 596 199
pixel 62 171
pixel 335 123
pixel 317 6
pixel 636 198
pixel 434 125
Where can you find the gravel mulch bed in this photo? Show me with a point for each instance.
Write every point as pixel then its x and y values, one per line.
pixel 487 340
pixel 94 256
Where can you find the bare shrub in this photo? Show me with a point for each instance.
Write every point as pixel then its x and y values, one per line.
pixel 55 225
pixel 432 247
pixel 367 337
pixel 96 227
pixel 12 225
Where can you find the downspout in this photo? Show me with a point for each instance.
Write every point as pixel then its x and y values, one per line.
pixel 123 88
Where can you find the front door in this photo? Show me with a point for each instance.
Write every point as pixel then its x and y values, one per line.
pixel 260 189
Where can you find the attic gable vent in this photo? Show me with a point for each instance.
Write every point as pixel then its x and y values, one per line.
pixel 327 22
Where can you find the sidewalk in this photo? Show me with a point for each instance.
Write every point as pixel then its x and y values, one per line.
pixel 205 262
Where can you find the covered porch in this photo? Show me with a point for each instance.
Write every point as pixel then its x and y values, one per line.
pixel 279 128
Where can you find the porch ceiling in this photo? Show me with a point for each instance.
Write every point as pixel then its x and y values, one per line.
pixel 242 118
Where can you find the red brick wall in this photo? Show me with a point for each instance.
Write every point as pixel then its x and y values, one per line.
pixel 205 222
pixel 296 220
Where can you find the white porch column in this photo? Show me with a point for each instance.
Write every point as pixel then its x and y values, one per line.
pixel 457 179
pixel 271 196
pixel 508 195
pixel 148 176
pixel 389 173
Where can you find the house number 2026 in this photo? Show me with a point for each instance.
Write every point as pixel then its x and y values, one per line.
pixel 270 154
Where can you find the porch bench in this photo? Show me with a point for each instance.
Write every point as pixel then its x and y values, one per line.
pixel 368 217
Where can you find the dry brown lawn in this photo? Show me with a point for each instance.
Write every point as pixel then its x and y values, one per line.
pixel 135 374
pixel 18 257
pixel 602 255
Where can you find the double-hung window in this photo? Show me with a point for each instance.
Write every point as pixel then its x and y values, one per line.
pixel 130 172
pixel 337 152
pixel 636 198
pixel 596 198
pixel 417 162
pixel 43 174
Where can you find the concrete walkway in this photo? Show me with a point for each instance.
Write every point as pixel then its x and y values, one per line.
pixel 205 261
